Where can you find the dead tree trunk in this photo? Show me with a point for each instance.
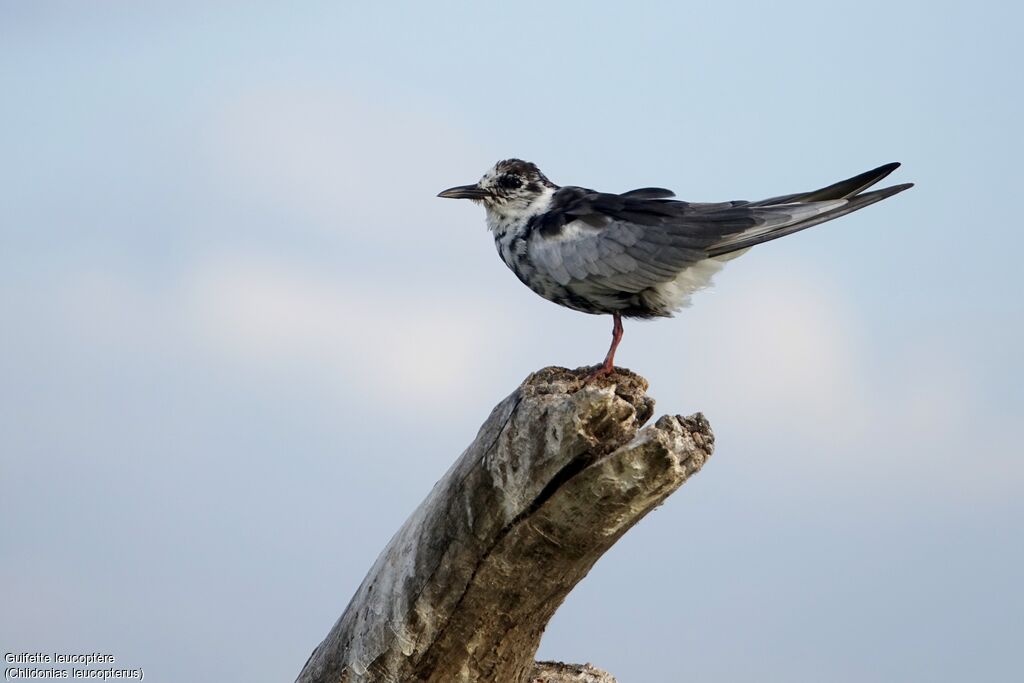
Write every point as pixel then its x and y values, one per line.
pixel 558 472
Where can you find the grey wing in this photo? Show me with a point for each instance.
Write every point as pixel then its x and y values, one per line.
pixel 637 247
pixel 630 242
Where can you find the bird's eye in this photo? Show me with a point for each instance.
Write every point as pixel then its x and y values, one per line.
pixel 509 182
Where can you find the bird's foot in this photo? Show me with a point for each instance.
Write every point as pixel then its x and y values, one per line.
pixel 602 370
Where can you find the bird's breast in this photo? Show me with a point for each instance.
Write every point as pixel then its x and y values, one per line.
pixel 514 251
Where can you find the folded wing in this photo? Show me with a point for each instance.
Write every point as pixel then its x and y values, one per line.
pixel 636 240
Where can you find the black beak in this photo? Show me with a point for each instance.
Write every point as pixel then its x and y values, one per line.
pixel 464 192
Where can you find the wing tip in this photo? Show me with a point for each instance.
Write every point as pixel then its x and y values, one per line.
pixel 851 187
pixel 883 170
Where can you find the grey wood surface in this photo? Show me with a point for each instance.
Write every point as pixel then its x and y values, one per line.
pixel 557 473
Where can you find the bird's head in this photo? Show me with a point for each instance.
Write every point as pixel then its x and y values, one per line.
pixel 511 189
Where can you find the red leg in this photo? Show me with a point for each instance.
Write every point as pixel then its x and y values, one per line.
pixel 609 360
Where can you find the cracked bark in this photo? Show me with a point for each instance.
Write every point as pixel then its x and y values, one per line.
pixel 558 472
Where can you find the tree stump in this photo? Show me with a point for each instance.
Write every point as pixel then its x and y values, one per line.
pixel 558 472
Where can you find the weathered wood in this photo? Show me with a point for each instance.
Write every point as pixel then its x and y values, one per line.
pixel 556 672
pixel 558 472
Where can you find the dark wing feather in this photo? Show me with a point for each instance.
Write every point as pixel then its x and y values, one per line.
pixel 632 241
pixel 841 190
pixel 649 193
pixel 848 206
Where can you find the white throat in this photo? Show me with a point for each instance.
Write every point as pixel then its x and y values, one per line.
pixel 501 218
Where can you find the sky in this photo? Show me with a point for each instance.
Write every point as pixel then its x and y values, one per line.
pixel 241 338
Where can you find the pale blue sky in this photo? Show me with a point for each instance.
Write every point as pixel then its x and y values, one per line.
pixel 241 337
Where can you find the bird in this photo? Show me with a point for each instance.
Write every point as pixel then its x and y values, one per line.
pixel 638 254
